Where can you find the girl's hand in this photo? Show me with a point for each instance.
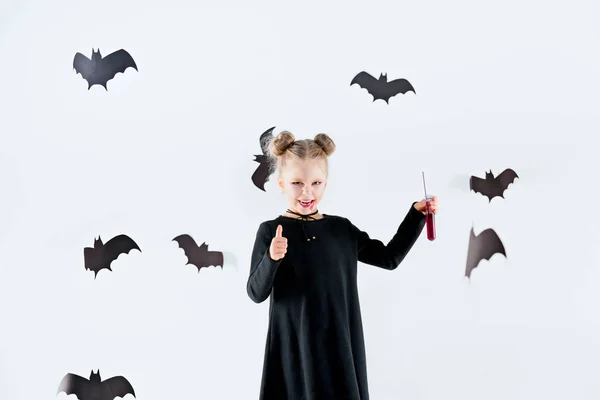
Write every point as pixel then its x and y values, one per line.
pixel 278 245
pixel 422 205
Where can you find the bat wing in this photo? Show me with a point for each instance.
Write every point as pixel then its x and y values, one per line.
pixel 506 178
pixel 88 258
pixel 202 258
pixel 365 81
pixel 482 247
pixel 118 245
pixel 188 244
pixel 83 65
pixel 214 258
pixel 265 140
pixel 117 62
pixel 262 173
pixel 118 386
pixel 479 185
pixel 75 384
pixel 93 260
pixel 400 86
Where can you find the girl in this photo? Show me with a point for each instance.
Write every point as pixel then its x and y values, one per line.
pixel 315 348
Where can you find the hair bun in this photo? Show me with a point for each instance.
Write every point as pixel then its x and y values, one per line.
pixel 281 143
pixel 325 143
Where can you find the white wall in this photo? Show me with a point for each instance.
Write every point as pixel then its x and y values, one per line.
pixel 168 150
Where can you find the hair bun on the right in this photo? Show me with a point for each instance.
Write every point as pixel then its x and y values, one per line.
pixel 325 143
pixel 281 143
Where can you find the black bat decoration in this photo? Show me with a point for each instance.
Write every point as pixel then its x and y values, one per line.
pixel 381 88
pixel 102 255
pixel 99 70
pixel 94 388
pixel 265 168
pixel 493 187
pixel 482 247
pixel 199 255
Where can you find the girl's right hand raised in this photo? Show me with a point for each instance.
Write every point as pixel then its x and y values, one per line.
pixel 278 245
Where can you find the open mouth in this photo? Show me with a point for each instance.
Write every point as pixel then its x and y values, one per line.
pixel 307 204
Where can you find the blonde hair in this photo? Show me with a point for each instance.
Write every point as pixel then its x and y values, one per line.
pixel 285 147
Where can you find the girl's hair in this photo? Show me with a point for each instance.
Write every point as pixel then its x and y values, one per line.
pixel 284 148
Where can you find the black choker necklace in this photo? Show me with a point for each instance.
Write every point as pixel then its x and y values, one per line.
pixel 303 218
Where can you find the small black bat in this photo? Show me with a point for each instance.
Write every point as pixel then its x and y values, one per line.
pixel 482 247
pixel 381 88
pixel 94 388
pixel 199 255
pixel 99 70
pixel 102 255
pixel 493 187
pixel 265 168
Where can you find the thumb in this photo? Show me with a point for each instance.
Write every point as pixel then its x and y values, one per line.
pixel 279 231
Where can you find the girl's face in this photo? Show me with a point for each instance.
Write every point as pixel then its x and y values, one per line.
pixel 303 182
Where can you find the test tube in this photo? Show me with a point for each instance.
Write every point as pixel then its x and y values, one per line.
pixel 430 219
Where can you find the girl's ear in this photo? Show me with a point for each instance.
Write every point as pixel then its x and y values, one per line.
pixel 280 183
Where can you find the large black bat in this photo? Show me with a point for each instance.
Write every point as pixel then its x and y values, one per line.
pixel 199 255
pixel 99 70
pixel 381 88
pixel 102 255
pixel 265 168
pixel 482 247
pixel 94 388
pixel 493 187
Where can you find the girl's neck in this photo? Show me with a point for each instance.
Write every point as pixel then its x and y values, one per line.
pixel 312 216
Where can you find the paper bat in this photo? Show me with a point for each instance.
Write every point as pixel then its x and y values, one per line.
pixel 482 247
pixel 102 255
pixel 94 388
pixel 381 88
pixel 99 70
pixel 493 187
pixel 199 255
pixel 265 168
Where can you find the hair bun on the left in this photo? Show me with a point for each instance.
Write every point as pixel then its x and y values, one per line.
pixel 325 143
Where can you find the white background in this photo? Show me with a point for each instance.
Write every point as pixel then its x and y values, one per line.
pixel 169 149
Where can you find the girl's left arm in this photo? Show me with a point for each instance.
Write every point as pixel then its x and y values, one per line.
pixel 374 252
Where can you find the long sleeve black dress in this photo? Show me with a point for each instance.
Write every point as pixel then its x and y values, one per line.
pixel 315 348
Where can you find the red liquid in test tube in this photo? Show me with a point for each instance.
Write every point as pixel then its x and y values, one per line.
pixel 430 220
pixel 429 215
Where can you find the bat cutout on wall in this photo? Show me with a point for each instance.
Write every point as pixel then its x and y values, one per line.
pixel 493 187
pixel 482 247
pixel 199 255
pixel 94 388
pixel 381 88
pixel 99 70
pixel 265 168
pixel 102 255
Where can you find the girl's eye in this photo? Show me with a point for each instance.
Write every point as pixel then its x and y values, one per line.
pixel 317 183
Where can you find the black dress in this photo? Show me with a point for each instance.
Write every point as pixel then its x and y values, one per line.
pixel 315 348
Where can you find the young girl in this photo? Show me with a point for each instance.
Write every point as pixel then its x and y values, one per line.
pixel 307 262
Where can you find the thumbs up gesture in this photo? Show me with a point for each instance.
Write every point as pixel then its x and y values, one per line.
pixel 278 245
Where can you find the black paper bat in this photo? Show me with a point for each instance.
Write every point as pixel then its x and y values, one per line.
pixel 102 255
pixel 94 388
pixel 199 255
pixel 265 168
pixel 99 70
pixel 381 88
pixel 482 247
pixel 493 187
